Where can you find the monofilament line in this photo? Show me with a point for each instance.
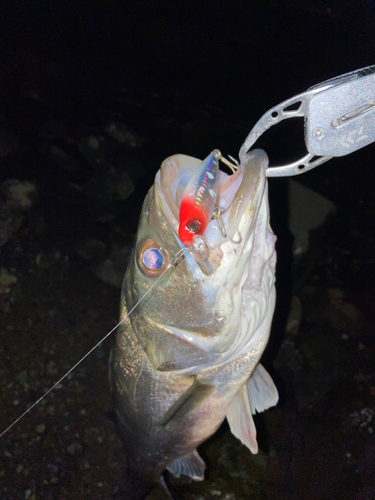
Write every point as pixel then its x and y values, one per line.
pixel 175 260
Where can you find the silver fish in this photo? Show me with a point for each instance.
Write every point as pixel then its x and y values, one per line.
pixel 188 356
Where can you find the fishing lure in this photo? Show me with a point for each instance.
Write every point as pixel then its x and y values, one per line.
pixel 199 199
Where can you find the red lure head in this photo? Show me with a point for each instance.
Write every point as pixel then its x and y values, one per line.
pixel 199 199
pixel 193 220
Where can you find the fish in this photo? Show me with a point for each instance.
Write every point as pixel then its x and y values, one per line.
pixel 187 357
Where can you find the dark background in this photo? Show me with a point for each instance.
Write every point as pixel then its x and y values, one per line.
pixel 180 77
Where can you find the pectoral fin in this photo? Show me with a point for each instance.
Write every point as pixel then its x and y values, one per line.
pixel 258 394
pixel 190 465
pixel 261 390
pixel 190 400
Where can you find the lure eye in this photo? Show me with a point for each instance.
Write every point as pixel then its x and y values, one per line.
pixel 152 259
pixel 193 226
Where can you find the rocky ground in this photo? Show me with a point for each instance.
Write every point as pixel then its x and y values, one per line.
pixel 73 178
pixel 67 230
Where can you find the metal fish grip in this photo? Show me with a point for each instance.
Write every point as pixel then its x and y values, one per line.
pixel 339 118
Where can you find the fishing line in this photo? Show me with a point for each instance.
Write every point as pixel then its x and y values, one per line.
pixel 173 263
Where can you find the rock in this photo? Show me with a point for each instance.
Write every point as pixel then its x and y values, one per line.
pixel 120 187
pixel 308 210
pixel 23 193
pixel 19 197
pixel 94 149
pixel 295 315
pixel 22 377
pixel 124 135
pixel 112 270
pixel 289 357
pixel 350 311
pixel 109 184
pixel 7 278
pixel 10 221
pixel 74 448
pixel 361 419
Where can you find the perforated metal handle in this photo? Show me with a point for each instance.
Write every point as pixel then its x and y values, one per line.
pixel 339 119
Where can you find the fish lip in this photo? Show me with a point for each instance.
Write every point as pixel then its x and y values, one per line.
pixel 243 205
pixel 247 199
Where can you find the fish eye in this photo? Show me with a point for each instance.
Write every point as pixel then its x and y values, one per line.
pixel 152 259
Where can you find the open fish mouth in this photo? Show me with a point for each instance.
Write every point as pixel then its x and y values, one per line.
pixel 239 197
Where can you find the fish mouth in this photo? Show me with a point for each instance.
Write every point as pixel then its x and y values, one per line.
pixel 239 197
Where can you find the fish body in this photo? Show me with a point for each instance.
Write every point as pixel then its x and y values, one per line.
pixel 188 356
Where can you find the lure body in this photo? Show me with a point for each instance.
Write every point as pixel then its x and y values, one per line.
pixel 199 200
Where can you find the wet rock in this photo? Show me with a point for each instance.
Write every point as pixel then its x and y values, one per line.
pixel 110 184
pixel 289 357
pixel 294 318
pixel 308 210
pixel 11 220
pixel 120 187
pixel 6 280
pixel 74 448
pixel 23 193
pixel 22 377
pixel 110 180
pixel 112 270
pixel 130 162
pixel 51 368
pixel 40 428
pixel 124 135
pixel 362 419
pixel 46 260
pixel 94 149
pixel 348 311
pixel 18 197
pixel 323 352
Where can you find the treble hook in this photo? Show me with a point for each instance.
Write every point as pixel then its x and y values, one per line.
pixel 216 214
pixel 233 166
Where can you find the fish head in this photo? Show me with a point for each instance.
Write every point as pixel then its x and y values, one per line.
pixel 195 310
